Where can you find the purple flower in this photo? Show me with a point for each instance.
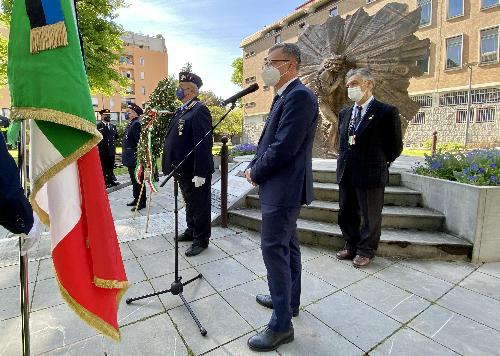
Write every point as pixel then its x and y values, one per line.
pixel 436 165
pixel 493 165
pixel 465 171
pixel 482 170
pixel 474 167
pixel 493 178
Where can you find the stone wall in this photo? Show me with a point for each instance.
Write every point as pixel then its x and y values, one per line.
pixel 443 120
pixel 252 128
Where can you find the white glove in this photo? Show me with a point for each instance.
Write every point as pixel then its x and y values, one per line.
pixel 198 181
pixel 33 236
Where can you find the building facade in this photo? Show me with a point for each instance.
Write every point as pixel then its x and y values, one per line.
pixel 144 62
pixel 464 39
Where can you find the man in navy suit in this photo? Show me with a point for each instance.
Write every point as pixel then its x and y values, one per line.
pixel 16 214
pixel 282 168
pixel 107 147
pixel 129 153
pixel 187 127
pixel 370 139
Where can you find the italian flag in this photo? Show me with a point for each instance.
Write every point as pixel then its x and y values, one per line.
pixel 49 87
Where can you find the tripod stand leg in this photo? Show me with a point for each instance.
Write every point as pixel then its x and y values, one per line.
pixel 193 315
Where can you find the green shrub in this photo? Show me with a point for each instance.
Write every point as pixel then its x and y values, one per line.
pixel 443 147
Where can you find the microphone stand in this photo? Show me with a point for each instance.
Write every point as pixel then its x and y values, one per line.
pixel 177 286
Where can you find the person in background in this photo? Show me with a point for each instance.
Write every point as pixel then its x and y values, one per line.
pixel 107 147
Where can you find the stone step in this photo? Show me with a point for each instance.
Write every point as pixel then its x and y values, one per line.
pixel 394 195
pixel 403 243
pixel 395 217
pixel 330 176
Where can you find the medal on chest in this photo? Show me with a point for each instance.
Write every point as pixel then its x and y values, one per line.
pixel 181 125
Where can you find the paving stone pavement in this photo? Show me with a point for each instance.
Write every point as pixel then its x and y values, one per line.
pixel 394 307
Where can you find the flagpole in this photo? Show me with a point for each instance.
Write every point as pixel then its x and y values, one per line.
pixel 140 196
pixel 23 258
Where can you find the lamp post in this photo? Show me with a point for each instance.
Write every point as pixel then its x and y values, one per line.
pixel 469 93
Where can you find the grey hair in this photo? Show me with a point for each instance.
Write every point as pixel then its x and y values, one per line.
pixel 195 88
pixel 362 72
pixel 290 50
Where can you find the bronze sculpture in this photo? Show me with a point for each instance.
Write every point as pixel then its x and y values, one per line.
pixel 385 43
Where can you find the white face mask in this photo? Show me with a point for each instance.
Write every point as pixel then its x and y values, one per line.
pixel 271 75
pixel 355 93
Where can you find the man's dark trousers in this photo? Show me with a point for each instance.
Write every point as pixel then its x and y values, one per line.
pixel 281 253
pixel 136 187
pixel 198 209
pixel 360 206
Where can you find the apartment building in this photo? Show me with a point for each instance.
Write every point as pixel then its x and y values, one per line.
pixel 145 63
pixel 464 39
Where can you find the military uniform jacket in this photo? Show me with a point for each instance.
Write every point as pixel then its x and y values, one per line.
pixel 130 142
pixel 186 128
pixel 107 145
pixel 378 142
pixel 16 214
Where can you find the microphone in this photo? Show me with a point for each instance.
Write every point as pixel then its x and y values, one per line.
pixel 232 100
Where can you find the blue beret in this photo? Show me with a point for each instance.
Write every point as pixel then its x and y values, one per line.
pixel 191 78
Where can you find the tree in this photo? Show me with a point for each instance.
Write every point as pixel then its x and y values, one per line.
pixel 237 77
pixel 188 67
pixel 209 98
pixel 102 43
pixel 231 125
pixel 163 97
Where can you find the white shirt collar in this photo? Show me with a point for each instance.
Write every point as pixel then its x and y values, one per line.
pixel 283 88
pixel 366 103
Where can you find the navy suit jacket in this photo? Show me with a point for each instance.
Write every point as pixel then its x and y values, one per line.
pixel 16 214
pixel 378 142
pixel 130 141
pixel 282 166
pixel 194 123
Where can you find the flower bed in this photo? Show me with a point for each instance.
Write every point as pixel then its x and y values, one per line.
pixel 478 167
pixel 243 150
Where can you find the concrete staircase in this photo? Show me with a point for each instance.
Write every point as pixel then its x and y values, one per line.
pixel 408 229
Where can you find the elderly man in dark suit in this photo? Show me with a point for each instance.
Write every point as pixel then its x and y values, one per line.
pixel 16 214
pixel 187 127
pixel 129 153
pixel 370 139
pixel 282 168
pixel 107 147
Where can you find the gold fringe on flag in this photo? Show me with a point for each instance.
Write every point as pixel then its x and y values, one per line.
pixel 110 284
pixel 89 317
pixel 48 37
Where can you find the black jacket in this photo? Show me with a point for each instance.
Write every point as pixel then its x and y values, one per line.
pixel 193 122
pixel 107 146
pixel 378 142
pixel 130 141
pixel 16 214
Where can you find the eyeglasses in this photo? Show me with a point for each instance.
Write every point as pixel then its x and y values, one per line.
pixel 269 62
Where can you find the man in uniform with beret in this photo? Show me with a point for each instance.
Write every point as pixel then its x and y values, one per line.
pixel 129 153
pixel 187 127
pixel 107 147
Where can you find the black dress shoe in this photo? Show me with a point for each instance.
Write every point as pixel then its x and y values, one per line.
pixel 266 301
pixel 132 203
pixel 140 207
pixel 185 237
pixel 268 340
pixel 194 250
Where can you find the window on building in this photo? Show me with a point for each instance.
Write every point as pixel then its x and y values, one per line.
pixel 250 104
pixel 249 54
pixel 334 11
pixel 141 61
pixel 453 98
pixel 250 80
pixel 424 101
pixel 489 3
pixel 302 25
pixel 111 103
pixel 418 119
pixel 455 8
pixel 142 75
pixel 277 39
pixel 483 96
pixel 489 45
pixel 485 115
pixel 461 116
pixel 423 64
pixel 95 102
pixel 130 90
pixel 454 52
pixel 128 74
pixel 143 90
pixel 370 1
pixel 426 12
pixel 266 87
